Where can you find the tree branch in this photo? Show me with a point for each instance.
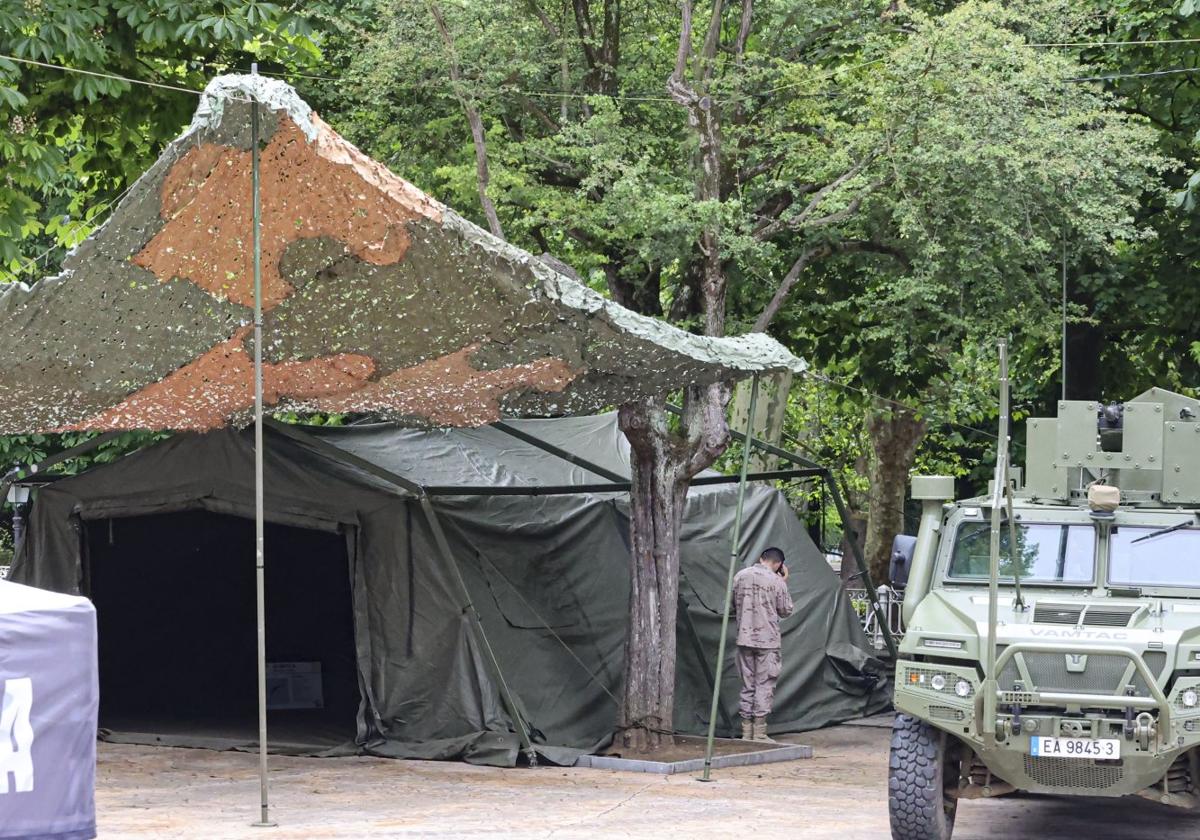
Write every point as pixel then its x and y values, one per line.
pixel 739 45
pixel 679 91
pixel 541 15
pixel 482 174
pixel 789 280
pixel 818 252
pixel 796 222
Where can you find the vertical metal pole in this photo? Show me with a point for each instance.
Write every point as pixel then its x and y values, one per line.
pixel 999 488
pixel 1064 314
pixel 259 575
pixel 734 551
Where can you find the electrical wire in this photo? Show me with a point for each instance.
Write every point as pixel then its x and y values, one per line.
pixel 1147 43
pixel 100 75
pixel 1114 76
pixel 119 78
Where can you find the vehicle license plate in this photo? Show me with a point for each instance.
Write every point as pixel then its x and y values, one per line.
pixel 1102 748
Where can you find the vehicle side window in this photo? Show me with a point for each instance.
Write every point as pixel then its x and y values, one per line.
pixel 1047 553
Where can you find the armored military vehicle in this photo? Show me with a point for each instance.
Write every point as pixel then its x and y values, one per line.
pixel 1053 629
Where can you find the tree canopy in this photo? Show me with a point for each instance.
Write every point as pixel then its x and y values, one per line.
pixel 886 186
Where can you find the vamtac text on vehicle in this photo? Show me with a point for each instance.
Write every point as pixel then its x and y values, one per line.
pixel 1053 627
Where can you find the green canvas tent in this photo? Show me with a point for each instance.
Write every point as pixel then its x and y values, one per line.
pixel 359 595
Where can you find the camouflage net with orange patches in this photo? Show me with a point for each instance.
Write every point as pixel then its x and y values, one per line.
pixel 377 299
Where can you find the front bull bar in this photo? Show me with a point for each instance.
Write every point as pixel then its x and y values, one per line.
pixel 1035 697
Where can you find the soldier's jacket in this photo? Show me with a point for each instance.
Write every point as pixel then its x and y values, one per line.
pixel 760 598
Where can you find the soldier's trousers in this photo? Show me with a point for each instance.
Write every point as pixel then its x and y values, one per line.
pixel 760 669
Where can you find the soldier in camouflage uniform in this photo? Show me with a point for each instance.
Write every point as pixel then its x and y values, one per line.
pixel 760 599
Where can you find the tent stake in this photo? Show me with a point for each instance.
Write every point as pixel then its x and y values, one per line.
pixel 264 819
pixel 734 551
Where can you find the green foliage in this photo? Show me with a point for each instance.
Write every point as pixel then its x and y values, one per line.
pixel 983 159
pixel 70 143
pixel 928 154
pixel 26 450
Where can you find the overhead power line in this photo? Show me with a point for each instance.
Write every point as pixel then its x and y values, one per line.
pixel 907 406
pixel 1112 76
pixel 1147 43
pixel 100 75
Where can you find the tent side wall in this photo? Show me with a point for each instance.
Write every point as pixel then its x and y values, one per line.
pixel 548 574
pixel 822 641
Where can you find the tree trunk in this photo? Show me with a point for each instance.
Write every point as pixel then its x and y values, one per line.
pixel 895 433
pixel 656 516
pixel 857 525
pixel 664 459
pixel 662 463
pixel 483 177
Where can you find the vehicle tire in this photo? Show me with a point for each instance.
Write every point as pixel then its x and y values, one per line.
pixel 922 781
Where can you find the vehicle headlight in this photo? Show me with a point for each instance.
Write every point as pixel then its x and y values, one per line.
pixel 962 688
pixel 1190 698
pixel 938 682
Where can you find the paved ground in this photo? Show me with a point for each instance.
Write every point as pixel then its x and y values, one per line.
pixel 146 792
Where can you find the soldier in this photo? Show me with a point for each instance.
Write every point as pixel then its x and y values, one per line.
pixel 760 599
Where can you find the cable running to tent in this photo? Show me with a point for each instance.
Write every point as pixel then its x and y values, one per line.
pixel 118 78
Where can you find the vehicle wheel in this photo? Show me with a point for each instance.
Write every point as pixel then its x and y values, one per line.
pixel 922 781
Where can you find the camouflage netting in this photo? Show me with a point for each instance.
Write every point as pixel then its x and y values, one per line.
pixel 376 298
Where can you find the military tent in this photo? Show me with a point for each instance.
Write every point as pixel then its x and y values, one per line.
pixel 368 632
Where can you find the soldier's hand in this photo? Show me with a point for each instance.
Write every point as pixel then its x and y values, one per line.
pixel 783 571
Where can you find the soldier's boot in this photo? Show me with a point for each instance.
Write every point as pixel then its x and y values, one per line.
pixel 760 731
pixel 747 729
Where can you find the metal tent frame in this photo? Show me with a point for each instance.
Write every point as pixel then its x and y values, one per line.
pixel 614 483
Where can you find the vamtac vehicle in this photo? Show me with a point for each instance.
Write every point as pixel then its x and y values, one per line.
pixel 1053 641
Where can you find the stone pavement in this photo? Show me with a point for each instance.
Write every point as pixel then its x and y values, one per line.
pixel 147 792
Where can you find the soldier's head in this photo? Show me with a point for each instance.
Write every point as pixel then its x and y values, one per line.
pixel 772 558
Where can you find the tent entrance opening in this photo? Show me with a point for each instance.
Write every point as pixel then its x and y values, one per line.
pixel 174 596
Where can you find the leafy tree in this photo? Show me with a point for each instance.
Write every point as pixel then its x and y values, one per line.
pixel 70 143
pixel 883 189
pixel 976 158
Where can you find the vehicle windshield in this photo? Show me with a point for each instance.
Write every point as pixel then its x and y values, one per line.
pixel 1047 553
pixel 1170 558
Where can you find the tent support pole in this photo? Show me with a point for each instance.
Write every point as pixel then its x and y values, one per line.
pixel 506 696
pixel 698 649
pixel 734 551
pixel 264 818
pixel 835 494
pixel 557 452
pixel 298 434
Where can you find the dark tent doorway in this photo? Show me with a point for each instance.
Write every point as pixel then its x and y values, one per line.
pixel 174 595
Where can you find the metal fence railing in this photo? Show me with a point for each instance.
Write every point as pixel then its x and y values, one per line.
pixel 891 601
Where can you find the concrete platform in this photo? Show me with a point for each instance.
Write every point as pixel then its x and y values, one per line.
pixel 769 755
